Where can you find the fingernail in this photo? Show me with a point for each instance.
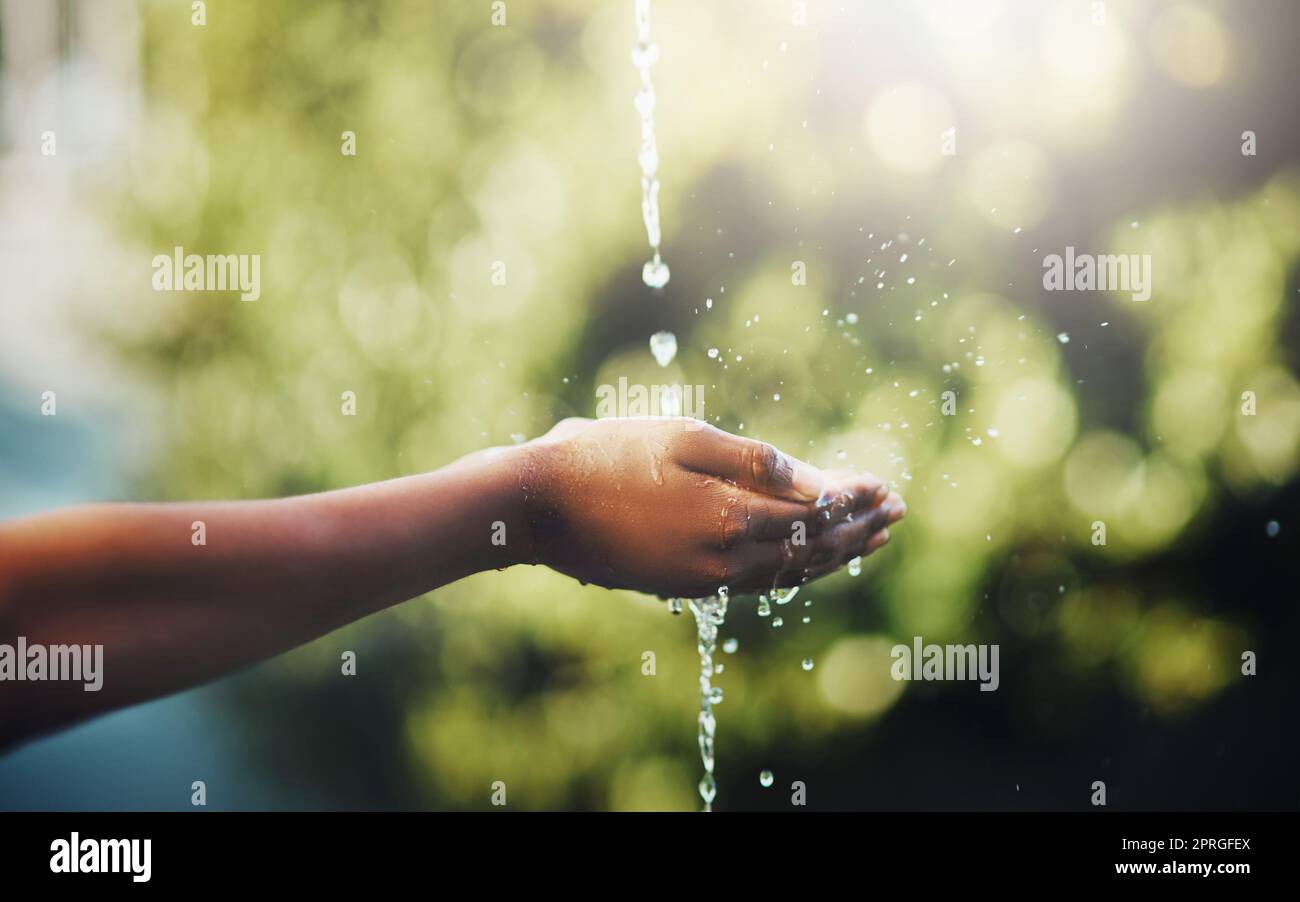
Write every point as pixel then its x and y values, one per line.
pixel 900 509
pixel 807 480
pixel 882 493
pixel 884 536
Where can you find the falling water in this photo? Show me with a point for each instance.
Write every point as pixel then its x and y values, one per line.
pixel 710 614
pixel 644 55
pixel 663 345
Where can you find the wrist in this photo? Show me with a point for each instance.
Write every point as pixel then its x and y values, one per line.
pixel 515 483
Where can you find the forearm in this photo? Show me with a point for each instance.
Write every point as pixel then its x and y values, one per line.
pixel 170 612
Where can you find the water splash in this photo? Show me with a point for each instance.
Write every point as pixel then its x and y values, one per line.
pixel 644 55
pixel 710 614
pixel 784 596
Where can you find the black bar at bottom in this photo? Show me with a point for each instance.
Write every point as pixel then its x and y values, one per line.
pixel 336 850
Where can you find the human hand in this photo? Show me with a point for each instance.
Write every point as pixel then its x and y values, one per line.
pixel 679 508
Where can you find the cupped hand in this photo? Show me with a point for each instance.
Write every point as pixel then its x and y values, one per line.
pixel 676 507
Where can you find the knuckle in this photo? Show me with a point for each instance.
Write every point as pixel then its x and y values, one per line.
pixel 715 570
pixel 734 524
pixel 766 466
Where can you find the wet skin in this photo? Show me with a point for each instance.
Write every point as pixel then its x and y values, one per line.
pixel 678 508
pixel 669 507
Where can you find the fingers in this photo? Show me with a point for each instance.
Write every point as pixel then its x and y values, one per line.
pixel 843 497
pixel 755 465
pixel 874 542
pixel 761 565
pixel 846 493
pixel 897 507
pixel 859 544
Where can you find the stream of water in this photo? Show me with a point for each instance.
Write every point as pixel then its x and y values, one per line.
pixel 644 55
pixel 710 614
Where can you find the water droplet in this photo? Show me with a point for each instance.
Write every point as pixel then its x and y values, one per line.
pixel 656 468
pixel 655 273
pixel 807 663
pixel 851 319
pixel 708 789
pixel 1063 337
pixel 670 401
pixel 730 646
pixel 675 605
pixel 765 779
pixel 708 726
pixel 784 596
pixel 807 619
pixel 777 623
pixel 644 100
pixel 713 353
pixel 855 567
pixel 715 695
pixel 663 345
pixel 764 608
pixel 1273 529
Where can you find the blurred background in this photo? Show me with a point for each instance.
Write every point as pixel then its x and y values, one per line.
pixel 919 159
